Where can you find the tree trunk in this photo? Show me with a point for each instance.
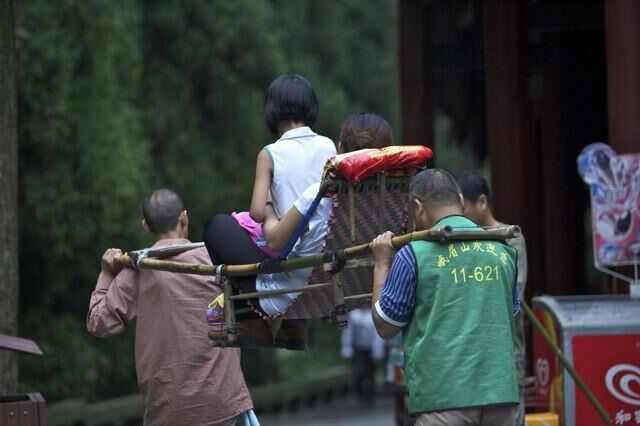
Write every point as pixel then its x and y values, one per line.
pixel 8 198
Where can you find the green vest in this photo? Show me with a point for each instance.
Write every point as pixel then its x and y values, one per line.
pixel 459 342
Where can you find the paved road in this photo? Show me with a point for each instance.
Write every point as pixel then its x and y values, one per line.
pixel 338 413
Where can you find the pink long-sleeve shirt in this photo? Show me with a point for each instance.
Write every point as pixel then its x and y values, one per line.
pixel 182 378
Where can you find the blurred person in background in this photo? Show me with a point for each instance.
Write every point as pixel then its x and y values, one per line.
pixel 362 345
pixel 478 208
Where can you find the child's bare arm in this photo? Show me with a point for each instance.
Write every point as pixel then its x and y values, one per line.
pixel 278 232
pixel 264 171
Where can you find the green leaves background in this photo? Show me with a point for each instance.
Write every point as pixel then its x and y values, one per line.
pixel 117 98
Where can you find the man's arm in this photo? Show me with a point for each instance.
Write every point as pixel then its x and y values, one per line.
pixel 377 348
pixel 114 301
pixel 394 281
pixel 520 245
pixel 517 293
pixel 380 273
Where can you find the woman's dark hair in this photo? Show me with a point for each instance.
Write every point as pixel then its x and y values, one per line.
pixel 290 98
pixel 365 131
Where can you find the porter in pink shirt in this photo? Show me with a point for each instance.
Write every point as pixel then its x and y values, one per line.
pixel 182 378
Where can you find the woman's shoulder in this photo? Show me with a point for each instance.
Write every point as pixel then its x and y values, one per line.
pixel 323 139
pixel 326 143
pixel 317 143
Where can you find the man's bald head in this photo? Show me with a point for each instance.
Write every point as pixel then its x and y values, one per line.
pixel 436 189
pixel 161 210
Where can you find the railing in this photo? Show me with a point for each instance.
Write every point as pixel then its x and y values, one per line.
pixel 128 410
pixel 290 394
pixel 123 411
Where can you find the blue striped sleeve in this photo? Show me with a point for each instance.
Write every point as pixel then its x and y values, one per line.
pixel 398 296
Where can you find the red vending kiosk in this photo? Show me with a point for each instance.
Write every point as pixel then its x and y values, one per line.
pixel 600 336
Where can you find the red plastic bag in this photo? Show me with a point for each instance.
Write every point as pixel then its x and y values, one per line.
pixel 358 165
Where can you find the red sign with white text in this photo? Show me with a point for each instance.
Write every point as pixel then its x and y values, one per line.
pixel 610 367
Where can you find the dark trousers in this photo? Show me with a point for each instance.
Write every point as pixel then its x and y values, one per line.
pixel 364 369
pixel 229 244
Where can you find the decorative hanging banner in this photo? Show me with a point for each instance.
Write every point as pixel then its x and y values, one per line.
pixel 615 203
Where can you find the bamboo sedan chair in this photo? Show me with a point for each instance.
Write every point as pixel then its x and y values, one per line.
pixel 361 211
pixel 363 207
pixel 341 281
pixel 342 277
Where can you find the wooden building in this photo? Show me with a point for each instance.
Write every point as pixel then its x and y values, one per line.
pixel 528 84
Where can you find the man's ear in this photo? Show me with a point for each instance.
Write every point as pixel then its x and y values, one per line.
pixel 420 210
pixel 417 206
pixel 461 198
pixel 145 225
pixel 184 218
pixel 483 202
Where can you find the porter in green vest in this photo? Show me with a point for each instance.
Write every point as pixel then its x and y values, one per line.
pixel 462 328
pixel 454 302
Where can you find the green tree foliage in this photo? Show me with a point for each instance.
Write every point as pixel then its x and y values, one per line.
pixel 206 66
pixel 83 156
pixel 117 98
pixel 84 165
pixel 349 55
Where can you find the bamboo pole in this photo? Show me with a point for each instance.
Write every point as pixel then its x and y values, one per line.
pixel 351 264
pixel 229 313
pixel 300 289
pixel 446 233
pixel 352 211
pixel 383 188
pixel 356 297
pixel 410 223
pixel 169 266
pixel 338 302
pixel 565 362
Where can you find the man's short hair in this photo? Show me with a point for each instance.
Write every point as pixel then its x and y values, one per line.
pixel 161 210
pixel 290 98
pixel 436 188
pixel 473 185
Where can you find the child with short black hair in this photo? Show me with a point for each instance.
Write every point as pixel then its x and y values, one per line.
pixel 288 166
pixel 284 170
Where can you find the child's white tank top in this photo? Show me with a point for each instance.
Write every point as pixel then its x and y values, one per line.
pixel 298 159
